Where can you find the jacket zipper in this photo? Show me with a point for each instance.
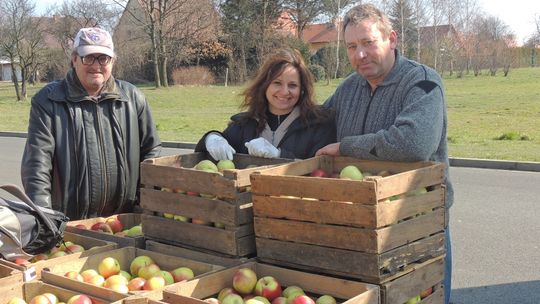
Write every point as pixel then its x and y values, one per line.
pixel 104 183
pixel 372 94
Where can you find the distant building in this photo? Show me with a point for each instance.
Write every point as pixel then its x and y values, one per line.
pixel 5 70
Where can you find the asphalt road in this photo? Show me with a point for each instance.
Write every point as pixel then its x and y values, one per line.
pixel 495 229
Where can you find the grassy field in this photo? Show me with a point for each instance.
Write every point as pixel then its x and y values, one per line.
pixel 489 117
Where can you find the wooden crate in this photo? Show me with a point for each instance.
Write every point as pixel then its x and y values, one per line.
pixel 92 245
pixel 55 274
pixel 224 198
pixel 197 255
pixel 344 291
pixel 128 220
pixel 10 279
pixel 407 284
pixel 345 227
pixel 29 290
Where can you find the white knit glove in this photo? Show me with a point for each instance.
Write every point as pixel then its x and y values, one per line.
pixel 218 147
pixel 262 148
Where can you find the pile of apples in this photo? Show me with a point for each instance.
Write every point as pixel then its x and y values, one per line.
pixel 113 225
pixel 248 289
pixel 206 166
pixel 50 298
pixel 61 250
pixel 144 274
pixel 348 172
pixel 424 294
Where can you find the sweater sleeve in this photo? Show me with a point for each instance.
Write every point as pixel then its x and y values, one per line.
pixel 415 134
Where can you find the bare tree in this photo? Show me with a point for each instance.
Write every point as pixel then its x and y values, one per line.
pixel 303 12
pixel 21 41
pixel 334 9
pixel 171 26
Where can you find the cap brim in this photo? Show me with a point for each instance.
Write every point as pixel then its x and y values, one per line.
pixel 94 49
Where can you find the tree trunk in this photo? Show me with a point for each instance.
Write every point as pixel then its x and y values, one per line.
pixel 24 95
pixel 155 62
pixel 15 81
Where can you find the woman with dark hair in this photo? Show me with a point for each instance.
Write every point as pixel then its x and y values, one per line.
pixel 282 118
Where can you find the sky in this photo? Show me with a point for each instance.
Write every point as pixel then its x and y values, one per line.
pixel 519 15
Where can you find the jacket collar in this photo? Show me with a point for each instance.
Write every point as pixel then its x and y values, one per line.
pixel 73 91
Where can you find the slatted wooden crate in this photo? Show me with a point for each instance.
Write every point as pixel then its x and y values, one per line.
pixel 224 198
pixel 10 279
pixel 55 274
pixel 349 228
pixel 417 278
pixel 92 245
pixel 345 291
pixel 29 290
pixel 128 220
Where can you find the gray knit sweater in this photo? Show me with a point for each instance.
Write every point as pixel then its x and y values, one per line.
pixel 404 119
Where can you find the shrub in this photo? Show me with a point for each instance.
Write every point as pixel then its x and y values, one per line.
pixel 318 72
pixel 512 136
pixel 195 75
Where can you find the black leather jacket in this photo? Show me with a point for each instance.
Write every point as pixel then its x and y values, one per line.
pixel 82 154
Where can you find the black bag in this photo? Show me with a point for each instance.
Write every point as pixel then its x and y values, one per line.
pixel 27 229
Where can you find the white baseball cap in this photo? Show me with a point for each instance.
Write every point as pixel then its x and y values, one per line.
pixel 93 40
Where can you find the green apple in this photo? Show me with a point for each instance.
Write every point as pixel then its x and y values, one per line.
pixel 135 231
pixel 206 165
pixel 351 172
pixel 225 164
pixel 414 300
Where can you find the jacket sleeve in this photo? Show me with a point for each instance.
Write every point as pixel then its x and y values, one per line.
pixel 36 168
pixel 150 142
pixel 415 134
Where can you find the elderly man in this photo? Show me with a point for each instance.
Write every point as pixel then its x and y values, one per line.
pixel 87 135
pixel 392 108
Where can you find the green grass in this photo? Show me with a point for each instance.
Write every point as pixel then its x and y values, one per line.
pixel 489 117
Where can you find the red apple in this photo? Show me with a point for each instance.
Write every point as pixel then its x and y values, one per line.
pixel 136 284
pixel 318 173
pixel 268 287
pixel 109 266
pixel 79 299
pixel 115 224
pixel 103 227
pixel 426 293
pixel 40 299
pixel 148 271
pixel 244 280
pixel 21 261
pixel 182 274
pixel 74 276
pixel 74 248
pixel 80 226
pixel 154 283
pixel 258 300
pixel 279 300
pixel 303 299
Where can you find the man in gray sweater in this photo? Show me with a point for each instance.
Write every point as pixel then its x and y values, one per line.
pixel 392 108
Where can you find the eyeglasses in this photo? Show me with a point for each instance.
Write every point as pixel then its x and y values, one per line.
pixel 89 59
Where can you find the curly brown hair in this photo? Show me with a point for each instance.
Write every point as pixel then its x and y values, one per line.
pixel 255 94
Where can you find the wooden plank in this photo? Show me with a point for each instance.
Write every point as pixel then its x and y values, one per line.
pixel 410 230
pixel 345 291
pixel 318 258
pixel 407 286
pixel 342 237
pixel 324 212
pixel 410 180
pixel 437 297
pixel 212 238
pixel 362 192
pixel 10 281
pixel 390 212
pixel 213 210
pixel 211 258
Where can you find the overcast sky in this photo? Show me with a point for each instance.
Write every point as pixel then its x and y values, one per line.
pixel 519 15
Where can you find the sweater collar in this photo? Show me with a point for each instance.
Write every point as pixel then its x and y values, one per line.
pixel 75 92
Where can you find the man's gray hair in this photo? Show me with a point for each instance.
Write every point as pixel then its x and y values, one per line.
pixel 368 11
